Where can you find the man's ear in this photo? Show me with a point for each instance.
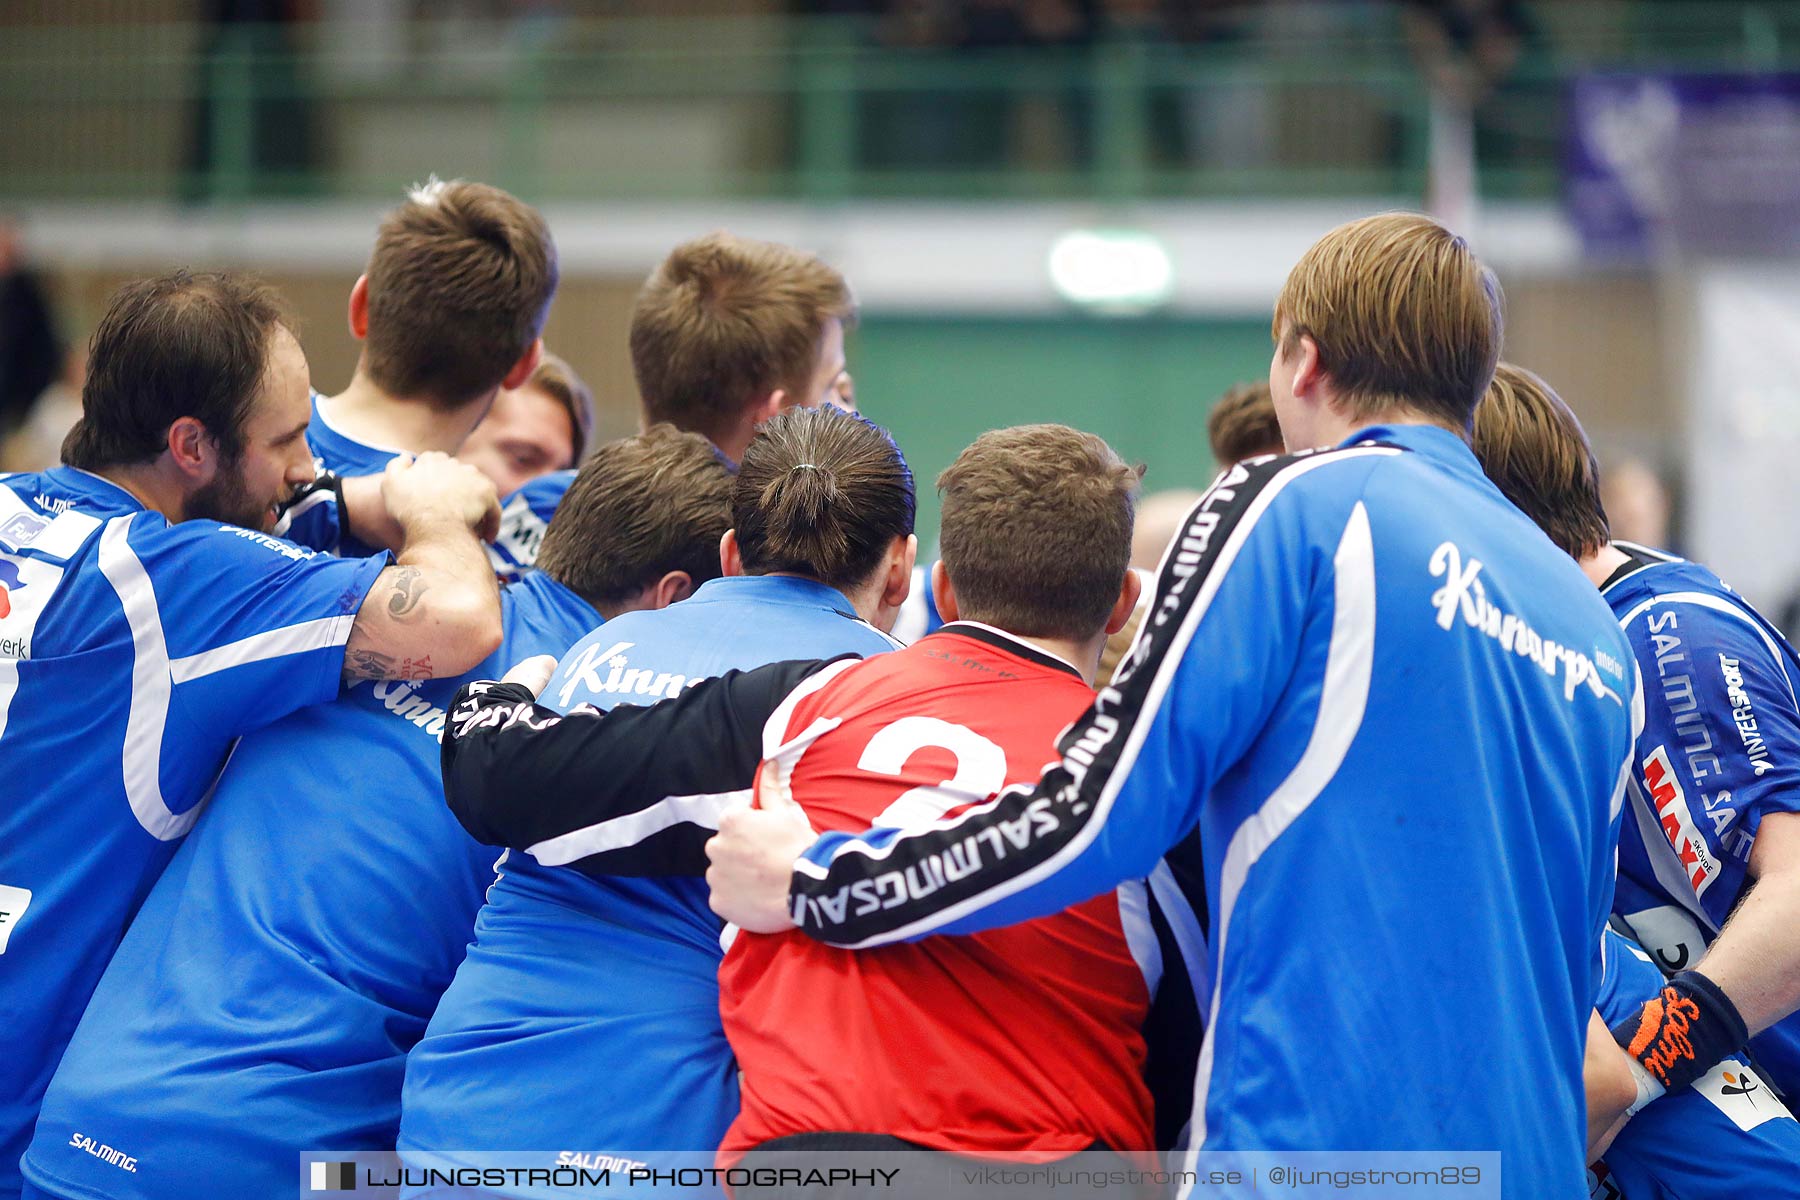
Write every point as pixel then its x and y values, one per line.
pixel 528 362
pixel 1129 592
pixel 192 449
pixel 943 592
pixel 672 587
pixel 359 308
pixel 898 584
pixel 1308 373
pixel 731 563
pixel 769 407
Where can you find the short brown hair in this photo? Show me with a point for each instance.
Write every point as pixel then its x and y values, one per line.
pixel 1242 424
pixel 460 282
pixel 184 344
pixel 821 493
pixel 640 508
pixel 723 322
pixel 1533 448
pixel 1036 530
pixel 1403 313
pixel 558 380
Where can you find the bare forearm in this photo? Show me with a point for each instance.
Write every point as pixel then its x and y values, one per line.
pixel 1606 1076
pixel 435 612
pixel 1756 958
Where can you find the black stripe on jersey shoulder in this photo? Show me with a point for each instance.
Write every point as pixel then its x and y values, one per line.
pixel 1236 498
pixel 1640 558
pixel 1001 640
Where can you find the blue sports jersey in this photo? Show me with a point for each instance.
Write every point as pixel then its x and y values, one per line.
pixel 1726 1137
pixel 1399 719
pixel 132 652
pixel 313 521
pixel 523 519
pixel 584 1022
pixel 264 1000
pixel 1719 751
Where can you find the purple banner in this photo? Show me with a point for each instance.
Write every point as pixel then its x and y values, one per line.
pixel 1693 164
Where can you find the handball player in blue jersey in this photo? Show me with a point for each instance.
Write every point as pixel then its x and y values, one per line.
pixel 529 444
pixel 1725 1136
pixel 147 620
pixel 449 310
pixel 584 1023
pixel 263 1001
pixel 1399 720
pixel 725 333
pixel 1715 777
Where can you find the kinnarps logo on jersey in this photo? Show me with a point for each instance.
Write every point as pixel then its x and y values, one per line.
pixel 399 697
pixel 1670 802
pixel 609 670
pixel 1464 592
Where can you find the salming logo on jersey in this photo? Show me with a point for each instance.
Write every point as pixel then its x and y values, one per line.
pixel 1464 591
pixel 1670 802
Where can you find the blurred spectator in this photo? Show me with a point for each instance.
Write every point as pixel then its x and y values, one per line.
pixel 1242 424
pixel 1159 518
pixel 1636 502
pixel 980 128
pixel 1473 53
pixel 36 445
pixel 533 430
pixel 30 351
pixel 248 45
pixel 1227 118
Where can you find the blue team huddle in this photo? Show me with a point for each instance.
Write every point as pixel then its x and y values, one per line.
pixel 1449 823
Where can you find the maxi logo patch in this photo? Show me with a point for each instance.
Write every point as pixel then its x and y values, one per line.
pixel 1671 804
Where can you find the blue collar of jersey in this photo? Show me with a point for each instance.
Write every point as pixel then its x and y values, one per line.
pixel 557 596
pixel 778 589
pixel 101 489
pixel 1432 441
pixel 322 430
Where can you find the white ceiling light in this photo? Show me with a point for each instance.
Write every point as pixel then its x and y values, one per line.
pixel 1111 270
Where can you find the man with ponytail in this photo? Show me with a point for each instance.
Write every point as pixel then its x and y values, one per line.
pixel 585 1019
pixel 1021 1044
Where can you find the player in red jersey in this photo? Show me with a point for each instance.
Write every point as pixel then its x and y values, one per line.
pixel 1019 1044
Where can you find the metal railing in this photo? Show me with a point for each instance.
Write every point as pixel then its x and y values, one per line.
pixel 1326 101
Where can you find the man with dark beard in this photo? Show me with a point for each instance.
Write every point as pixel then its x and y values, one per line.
pixel 147 620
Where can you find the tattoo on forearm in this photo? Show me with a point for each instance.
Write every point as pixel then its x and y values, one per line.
pixel 408 586
pixel 414 668
pixel 367 664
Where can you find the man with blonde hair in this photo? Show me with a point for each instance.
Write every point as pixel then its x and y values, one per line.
pixel 1398 719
